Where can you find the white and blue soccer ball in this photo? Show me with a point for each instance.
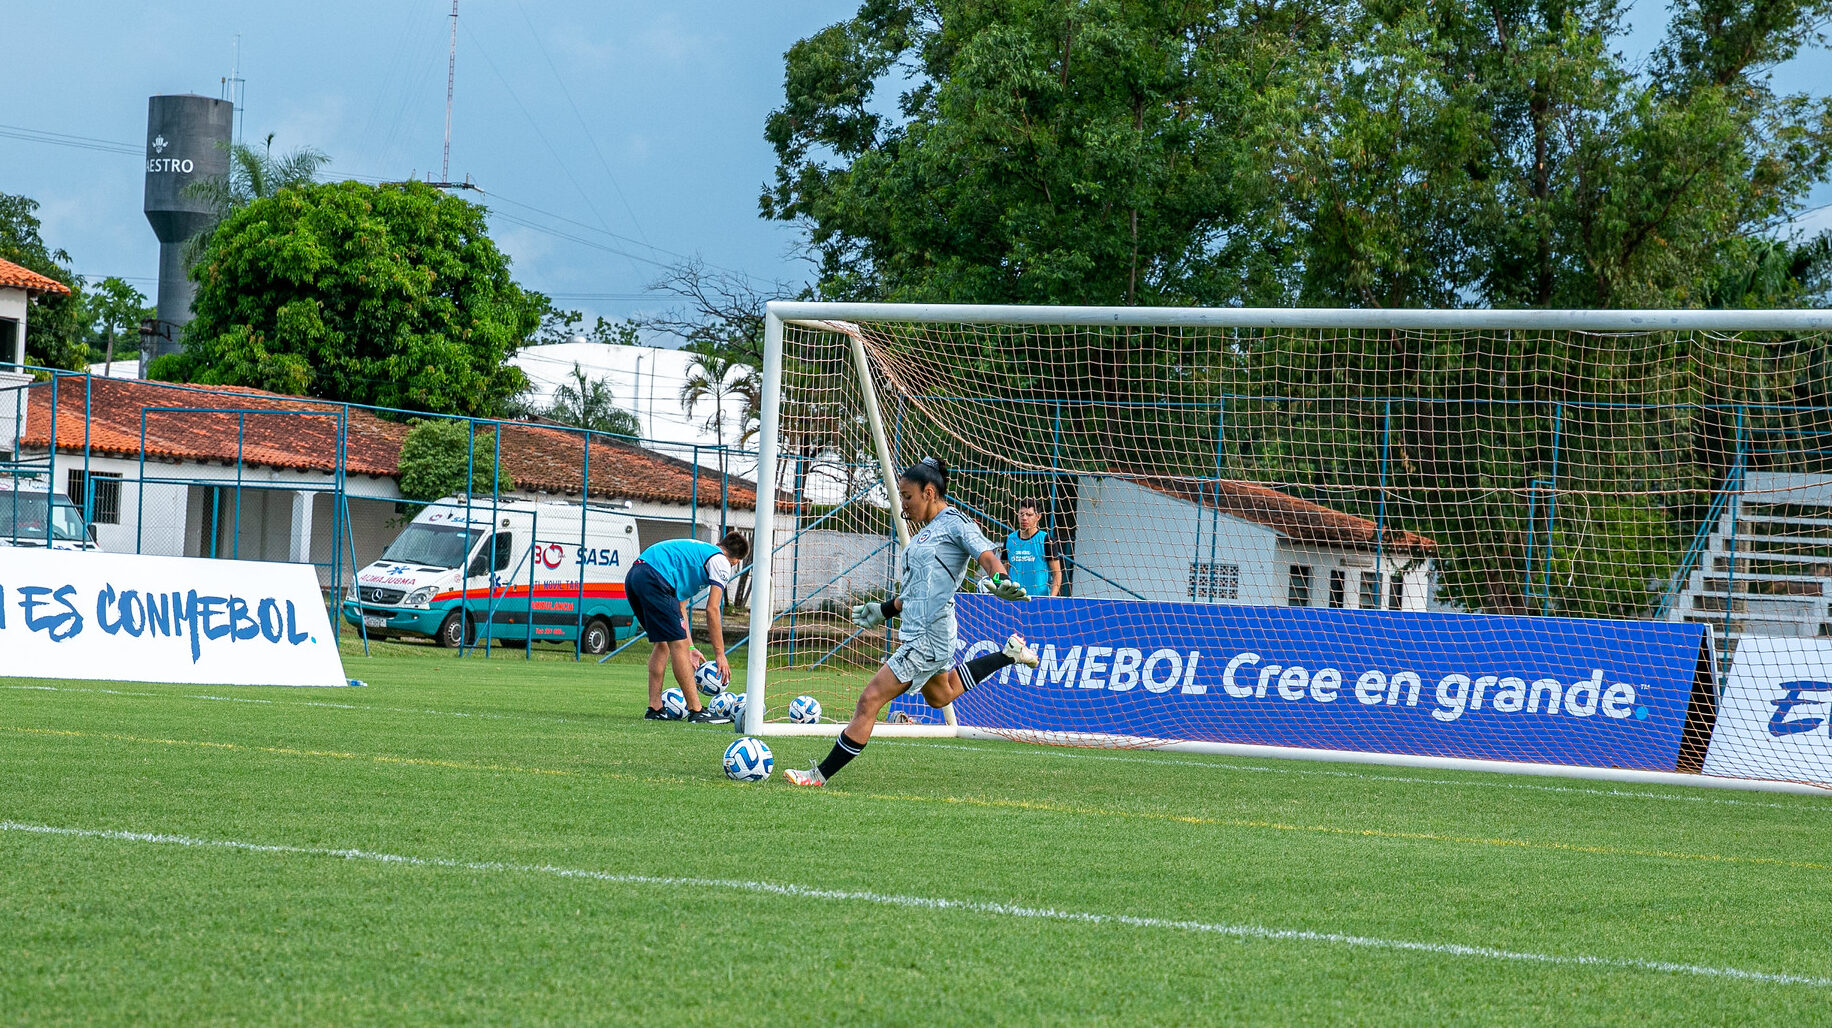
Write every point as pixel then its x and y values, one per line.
pixel 674 702
pixel 748 760
pixel 806 710
pixel 722 704
pixel 737 710
pixel 707 678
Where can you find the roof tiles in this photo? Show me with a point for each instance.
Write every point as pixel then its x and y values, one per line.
pixel 224 423
pixel 17 276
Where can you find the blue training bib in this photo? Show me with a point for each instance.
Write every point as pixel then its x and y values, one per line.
pixel 1027 562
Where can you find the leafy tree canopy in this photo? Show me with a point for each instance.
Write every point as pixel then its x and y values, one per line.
pixel 1354 152
pixel 435 453
pixel 391 295
pixel 54 324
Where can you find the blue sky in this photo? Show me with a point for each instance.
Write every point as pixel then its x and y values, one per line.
pixel 608 135
pixel 642 120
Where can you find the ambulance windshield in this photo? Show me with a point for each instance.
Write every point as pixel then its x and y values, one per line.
pixel 432 546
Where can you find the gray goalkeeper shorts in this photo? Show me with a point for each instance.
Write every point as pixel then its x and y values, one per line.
pixel 920 659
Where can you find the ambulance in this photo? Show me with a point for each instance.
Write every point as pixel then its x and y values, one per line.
pixel 513 571
pixel 32 515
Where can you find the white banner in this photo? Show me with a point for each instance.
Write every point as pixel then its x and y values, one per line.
pixel 127 618
pixel 1775 717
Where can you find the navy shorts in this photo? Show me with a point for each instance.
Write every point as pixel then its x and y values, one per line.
pixel 653 602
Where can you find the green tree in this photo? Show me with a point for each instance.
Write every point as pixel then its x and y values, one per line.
pixel 1355 152
pixel 562 326
pixel 588 403
pixel 54 327
pixel 112 312
pixel 435 453
pixel 391 295
pixel 253 175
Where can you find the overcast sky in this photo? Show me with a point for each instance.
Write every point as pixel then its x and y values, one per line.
pixel 607 135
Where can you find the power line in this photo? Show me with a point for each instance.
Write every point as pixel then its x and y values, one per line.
pixel 586 129
pixel 65 139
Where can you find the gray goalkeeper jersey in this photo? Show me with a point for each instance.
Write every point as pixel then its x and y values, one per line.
pixel 931 571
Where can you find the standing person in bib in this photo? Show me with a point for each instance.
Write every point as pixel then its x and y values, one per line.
pixel 1031 554
pixel 945 545
pixel 659 586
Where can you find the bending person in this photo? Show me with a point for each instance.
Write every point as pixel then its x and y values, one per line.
pixel 659 586
pixel 945 545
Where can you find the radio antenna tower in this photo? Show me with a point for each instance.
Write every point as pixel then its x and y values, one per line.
pixel 451 77
pixel 234 86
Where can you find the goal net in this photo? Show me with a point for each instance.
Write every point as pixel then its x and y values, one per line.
pixel 1573 542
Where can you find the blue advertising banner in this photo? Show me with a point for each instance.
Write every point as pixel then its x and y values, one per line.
pixel 1544 690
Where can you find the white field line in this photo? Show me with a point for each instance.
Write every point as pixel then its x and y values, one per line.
pixel 485 715
pixel 1003 910
pixel 1039 751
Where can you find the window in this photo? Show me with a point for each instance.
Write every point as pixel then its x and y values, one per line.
pixel 494 556
pixel 1396 590
pixel 1297 593
pixel 1369 597
pixel 1214 581
pixel 1338 587
pixel 107 509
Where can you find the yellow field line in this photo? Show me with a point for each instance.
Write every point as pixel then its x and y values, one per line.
pixel 1370 833
pixel 288 752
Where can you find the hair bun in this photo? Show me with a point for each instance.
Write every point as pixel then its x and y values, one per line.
pixel 936 464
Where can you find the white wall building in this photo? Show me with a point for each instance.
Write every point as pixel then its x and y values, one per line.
pixel 1238 542
pixel 243 473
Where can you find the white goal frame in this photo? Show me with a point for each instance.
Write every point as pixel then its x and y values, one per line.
pixel 823 316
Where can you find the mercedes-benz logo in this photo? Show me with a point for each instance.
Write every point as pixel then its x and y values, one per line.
pixel 159 144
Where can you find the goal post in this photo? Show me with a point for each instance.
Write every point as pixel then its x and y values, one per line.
pixel 1574 542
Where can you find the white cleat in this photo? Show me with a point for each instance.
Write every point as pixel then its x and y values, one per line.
pixel 1020 651
pixel 812 776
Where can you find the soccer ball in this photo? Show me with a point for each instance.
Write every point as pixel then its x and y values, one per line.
pixel 806 710
pixel 722 704
pixel 675 703
pixel 748 760
pixel 706 677
pixel 737 710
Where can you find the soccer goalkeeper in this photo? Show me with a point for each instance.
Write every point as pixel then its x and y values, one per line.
pixel 938 555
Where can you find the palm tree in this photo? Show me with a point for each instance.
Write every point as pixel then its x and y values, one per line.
pixel 587 403
pixel 716 378
pixel 253 175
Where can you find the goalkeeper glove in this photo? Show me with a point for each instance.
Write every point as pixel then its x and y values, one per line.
pixel 1004 588
pixel 868 615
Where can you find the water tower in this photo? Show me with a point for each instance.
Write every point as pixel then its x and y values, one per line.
pixel 187 141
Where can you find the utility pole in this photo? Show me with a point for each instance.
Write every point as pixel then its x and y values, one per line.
pixel 451 78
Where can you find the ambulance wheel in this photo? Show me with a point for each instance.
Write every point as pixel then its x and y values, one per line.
pixel 598 637
pixel 456 631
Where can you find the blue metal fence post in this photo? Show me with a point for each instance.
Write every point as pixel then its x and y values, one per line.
pixel 1055 467
pixel 464 578
pixel 1730 571
pixel 52 458
pixel 496 488
pixel 88 486
pixel 1221 415
pixel 1558 428
pixel 585 513
pixel 241 429
pixel 139 490
pixel 1380 523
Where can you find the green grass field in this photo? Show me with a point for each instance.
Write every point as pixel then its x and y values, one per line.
pixel 504 841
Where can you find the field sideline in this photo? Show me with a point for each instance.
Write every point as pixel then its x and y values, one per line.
pixel 494 841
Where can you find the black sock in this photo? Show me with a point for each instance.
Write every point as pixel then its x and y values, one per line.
pixel 979 669
pixel 844 749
